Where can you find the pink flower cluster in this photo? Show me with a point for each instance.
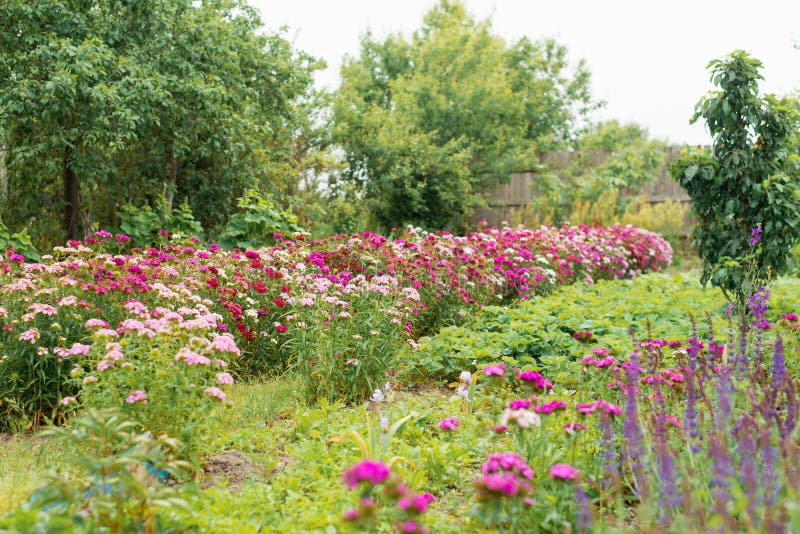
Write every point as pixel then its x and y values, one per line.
pixel 598 406
pixel 448 423
pixel 366 471
pixel 534 379
pixel 504 475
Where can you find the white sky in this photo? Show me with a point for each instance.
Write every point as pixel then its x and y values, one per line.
pixel 647 59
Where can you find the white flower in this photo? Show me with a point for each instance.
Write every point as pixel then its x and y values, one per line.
pixel 463 391
pixel 378 396
pixel 465 377
pixel 524 418
pixel 384 423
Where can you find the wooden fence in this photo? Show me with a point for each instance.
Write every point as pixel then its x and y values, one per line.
pixel 522 187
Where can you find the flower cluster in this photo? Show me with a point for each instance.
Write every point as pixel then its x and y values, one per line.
pixel 504 475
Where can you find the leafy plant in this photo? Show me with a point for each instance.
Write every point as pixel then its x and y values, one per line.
pixel 744 193
pixel 17 243
pixel 257 222
pixel 118 485
pixel 146 226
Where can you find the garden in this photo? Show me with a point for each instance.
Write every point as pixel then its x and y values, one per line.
pixel 244 349
pixel 355 383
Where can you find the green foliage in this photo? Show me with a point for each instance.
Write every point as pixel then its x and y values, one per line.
pixel 256 222
pixel 165 382
pixel 33 378
pixel 348 357
pixel 538 333
pixel 426 123
pixel 666 218
pixel 20 242
pixel 116 487
pixel 189 101
pixel 748 184
pixel 142 224
pixel 609 164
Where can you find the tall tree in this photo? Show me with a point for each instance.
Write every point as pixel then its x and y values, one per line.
pixel 126 100
pixel 426 123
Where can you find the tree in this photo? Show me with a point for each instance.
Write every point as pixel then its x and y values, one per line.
pixel 427 123
pixel 126 101
pixel 745 192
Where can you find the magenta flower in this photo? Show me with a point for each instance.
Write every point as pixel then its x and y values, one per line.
pixel 550 407
pixel 366 471
pixel 563 471
pixel 416 503
pixel 790 317
pixel 412 527
pixel 448 423
pixel 519 404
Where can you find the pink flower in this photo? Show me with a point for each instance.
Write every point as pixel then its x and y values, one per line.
pixel 584 336
pixel 366 471
pixel 225 343
pixel 574 427
pixel 79 349
pixel 216 393
pixel 66 401
pixel 495 370
pixel 790 317
pixel 96 323
pixel 411 527
pixel 104 364
pixel 31 335
pixel 225 378
pixel 136 396
pixel 563 471
pixel 351 515
pixel 550 407
pixel 416 503
pixel 89 379
pixel 448 423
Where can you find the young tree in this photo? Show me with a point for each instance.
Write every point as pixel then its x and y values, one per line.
pixel 427 123
pixel 744 193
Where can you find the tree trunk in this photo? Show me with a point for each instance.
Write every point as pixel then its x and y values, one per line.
pixel 71 197
pixel 173 180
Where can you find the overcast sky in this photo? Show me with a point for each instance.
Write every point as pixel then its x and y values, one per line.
pixel 647 58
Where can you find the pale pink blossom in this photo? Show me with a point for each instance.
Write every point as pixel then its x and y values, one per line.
pixel 215 392
pixel 137 396
pixel 31 335
pixel 96 323
pixel 225 378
